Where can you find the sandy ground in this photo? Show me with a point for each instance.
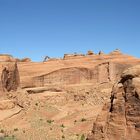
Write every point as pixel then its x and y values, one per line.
pixel 66 114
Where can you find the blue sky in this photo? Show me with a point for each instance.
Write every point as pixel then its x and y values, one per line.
pixel 35 28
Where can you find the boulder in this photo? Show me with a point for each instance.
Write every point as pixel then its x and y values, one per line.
pixel 116 52
pixel 90 52
pixel 131 72
pixel 25 60
pixel 6 104
pixel 2 136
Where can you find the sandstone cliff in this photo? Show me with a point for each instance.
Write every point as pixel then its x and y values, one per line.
pixel 10 77
pixel 120 118
pixel 64 97
pixel 102 73
pixel 6 58
pixel 10 58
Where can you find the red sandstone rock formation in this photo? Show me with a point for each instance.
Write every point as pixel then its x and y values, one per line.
pixel 10 58
pixel 67 103
pixel 120 119
pixel 102 73
pixel 46 58
pixel 6 58
pixel 103 67
pixel 116 52
pixel 101 53
pixel 72 56
pixel 25 60
pixel 10 77
pixel 90 52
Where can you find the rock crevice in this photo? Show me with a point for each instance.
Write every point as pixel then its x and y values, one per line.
pixel 10 77
pixel 120 118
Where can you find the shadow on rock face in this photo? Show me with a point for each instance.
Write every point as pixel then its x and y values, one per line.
pixel 10 77
pixel 120 120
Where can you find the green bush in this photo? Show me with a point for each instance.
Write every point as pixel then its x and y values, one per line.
pixel 83 137
pixel 50 121
pixel 62 126
pixel 16 129
pixel 1 131
pixel 63 137
pixel 8 138
pixel 83 120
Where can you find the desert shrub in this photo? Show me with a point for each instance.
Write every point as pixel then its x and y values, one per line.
pixel 50 121
pixel 16 129
pixel 1 131
pixel 83 137
pixel 62 126
pixel 77 135
pixel 63 137
pixel 83 120
pixel 8 138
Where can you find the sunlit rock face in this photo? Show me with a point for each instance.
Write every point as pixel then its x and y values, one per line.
pixel 6 58
pixel 120 118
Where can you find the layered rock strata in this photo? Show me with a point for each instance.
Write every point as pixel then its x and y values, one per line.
pixel 120 118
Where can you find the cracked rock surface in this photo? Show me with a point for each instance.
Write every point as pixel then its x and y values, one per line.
pixel 120 118
pixel 10 77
